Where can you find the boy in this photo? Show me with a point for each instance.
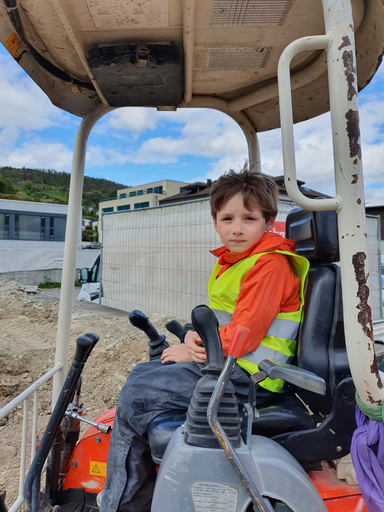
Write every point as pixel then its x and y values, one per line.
pixel 257 282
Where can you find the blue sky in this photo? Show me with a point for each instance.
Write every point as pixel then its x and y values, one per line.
pixel 136 146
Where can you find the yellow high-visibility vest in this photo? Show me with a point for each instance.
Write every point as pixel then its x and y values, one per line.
pixel 279 343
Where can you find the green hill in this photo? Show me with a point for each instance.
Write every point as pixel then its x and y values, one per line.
pixel 50 186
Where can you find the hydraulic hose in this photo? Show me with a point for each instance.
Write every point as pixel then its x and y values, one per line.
pixel 14 16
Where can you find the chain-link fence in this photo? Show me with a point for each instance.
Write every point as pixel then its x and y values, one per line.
pixel 158 260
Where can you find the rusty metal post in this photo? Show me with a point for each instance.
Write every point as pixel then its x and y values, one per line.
pixel 349 199
pixel 343 90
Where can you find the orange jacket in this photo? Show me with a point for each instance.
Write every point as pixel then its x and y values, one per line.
pixel 269 288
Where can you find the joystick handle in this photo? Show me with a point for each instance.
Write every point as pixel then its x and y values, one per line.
pixel 141 321
pixel 84 345
pixel 205 323
pixel 174 327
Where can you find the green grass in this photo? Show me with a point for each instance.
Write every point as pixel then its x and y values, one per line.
pixel 48 284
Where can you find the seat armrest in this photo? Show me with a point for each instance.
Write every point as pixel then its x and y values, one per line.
pixel 294 375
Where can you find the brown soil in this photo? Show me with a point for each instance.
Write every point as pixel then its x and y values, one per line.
pixel 28 326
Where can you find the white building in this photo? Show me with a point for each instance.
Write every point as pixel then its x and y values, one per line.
pixel 141 196
pixel 32 239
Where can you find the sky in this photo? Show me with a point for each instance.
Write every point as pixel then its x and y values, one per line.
pixel 135 146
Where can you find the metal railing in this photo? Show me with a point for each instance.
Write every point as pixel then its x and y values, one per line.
pixel 23 397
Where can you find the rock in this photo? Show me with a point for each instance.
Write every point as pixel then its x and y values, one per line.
pixel 6 452
pixel 156 317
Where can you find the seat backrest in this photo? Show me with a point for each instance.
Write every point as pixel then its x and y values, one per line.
pixel 321 342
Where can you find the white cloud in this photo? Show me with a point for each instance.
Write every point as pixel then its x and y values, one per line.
pixel 38 155
pixel 205 133
pixel 25 110
pixel 23 104
pixel 133 120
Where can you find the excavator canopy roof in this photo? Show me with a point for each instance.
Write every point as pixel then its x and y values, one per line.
pixel 171 53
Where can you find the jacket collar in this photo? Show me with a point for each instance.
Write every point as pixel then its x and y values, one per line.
pixel 268 242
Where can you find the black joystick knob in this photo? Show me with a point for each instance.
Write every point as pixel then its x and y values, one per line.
pixel 206 325
pixel 175 327
pixel 156 341
pixel 84 345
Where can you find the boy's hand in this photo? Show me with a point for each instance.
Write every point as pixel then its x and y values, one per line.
pixel 192 341
pixel 176 354
pixel 186 353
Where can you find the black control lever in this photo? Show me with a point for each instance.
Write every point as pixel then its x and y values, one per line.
pixel 3 508
pixel 156 341
pixel 179 329
pixel 205 323
pixel 84 346
pixel 175 327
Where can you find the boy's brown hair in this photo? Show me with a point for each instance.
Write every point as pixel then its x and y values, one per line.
pixel 258 190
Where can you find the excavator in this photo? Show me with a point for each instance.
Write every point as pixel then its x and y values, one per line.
pixel 266 64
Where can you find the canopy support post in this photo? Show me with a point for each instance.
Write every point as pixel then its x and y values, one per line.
pixel 343 88
pixel 70 249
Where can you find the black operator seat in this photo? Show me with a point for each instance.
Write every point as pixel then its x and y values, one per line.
pixel 323 429
pixel 321 350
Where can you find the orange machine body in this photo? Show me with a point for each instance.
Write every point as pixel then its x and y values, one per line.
pixel 88 465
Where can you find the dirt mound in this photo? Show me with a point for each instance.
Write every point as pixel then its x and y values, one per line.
pixel 28 326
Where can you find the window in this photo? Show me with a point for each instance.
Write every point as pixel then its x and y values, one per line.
pixel 123 196
pixel 182 189
pixel 42 228
pixel 4 225
pixel 57 228
pixel 140 192
pixel 25 226
pixel 16 227
pixel 141 205
pixel 131 194
pixel 158 190
pixel 95 271
pixel 107 210
pixel 59 224
pixel 30 227
pixel 123 207
pixel 149 190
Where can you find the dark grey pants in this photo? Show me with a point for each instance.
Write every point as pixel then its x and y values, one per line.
pixel 151 389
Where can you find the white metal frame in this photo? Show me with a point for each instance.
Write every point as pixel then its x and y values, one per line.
pixel 23 398
pixel 70 248
pixel 349 200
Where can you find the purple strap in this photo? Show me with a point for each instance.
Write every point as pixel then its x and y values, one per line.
pixel 367 451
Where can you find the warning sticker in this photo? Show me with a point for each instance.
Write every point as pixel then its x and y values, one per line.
pixel 13 44
pixel 98 468
pixel 209 497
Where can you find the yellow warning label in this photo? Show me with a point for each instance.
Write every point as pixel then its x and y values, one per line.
pixel 98 468
pixel 12 44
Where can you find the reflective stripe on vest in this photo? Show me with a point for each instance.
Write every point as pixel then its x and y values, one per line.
pixel 279 343
pixel 222 317
pixel 263 352
pixel 280 328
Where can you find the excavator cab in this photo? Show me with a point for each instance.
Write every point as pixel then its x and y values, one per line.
pixel 266 64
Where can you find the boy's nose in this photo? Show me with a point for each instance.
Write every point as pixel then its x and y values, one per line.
pixel 237 228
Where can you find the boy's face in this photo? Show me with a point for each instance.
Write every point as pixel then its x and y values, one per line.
pixel 240 229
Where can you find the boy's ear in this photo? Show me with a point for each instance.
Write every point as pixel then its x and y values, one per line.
pixel 214 224
pixel 270 223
